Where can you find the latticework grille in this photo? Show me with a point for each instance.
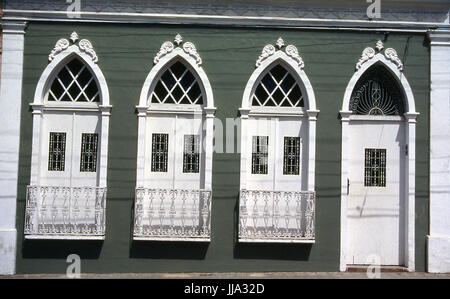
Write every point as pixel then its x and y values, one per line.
pixel 291 158
pixel 160 148
pixel 375 167
pixel 177 85
pixel 57 151
pixel 278 88
pixel 377 93
pixel 89 144
pixel 260 153
pixel 74 83
pixel 191 155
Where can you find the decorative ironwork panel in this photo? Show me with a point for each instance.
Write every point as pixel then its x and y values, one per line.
pixel 74 83
pixel 291 158
pixel 57 151
pixel 65 211
pixel 276 215
pixel 160 149
pixel 260 153
pixel 278 88
pixel 172 213
pixel 377 93
pixel 375 167
pixel 88 160
pixel 191 155
pixel 177 85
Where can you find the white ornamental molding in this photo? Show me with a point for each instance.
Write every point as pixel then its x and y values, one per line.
pixel 188 47
pixel 370 53
pixel 84 45
pixel 290 50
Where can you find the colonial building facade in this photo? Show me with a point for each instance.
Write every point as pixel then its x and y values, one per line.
pixel 197 137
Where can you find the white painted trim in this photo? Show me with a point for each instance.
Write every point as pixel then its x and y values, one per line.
pixel 277 241
pixel 122 17
pixel 11 102
pixel 410 120
pixel 292 65
pixel 177 53
pixel 56 237
pixel 57 63
pixel 390 66
pixel 203 240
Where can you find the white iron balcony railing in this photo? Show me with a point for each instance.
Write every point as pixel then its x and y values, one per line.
pixel 276 216
pixel 172 214
pixel 57 212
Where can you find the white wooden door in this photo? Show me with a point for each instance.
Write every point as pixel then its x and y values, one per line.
pixel 375 205
pixel 276 129
pixel 176 129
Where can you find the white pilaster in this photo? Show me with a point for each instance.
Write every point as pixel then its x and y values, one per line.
pixel 345 121
pixel 142 125
pixel 105 113
pixel 312 120
pixel 209 115
pixel 10 101
pixel 244 123
pixel 410 191
pixel 439 236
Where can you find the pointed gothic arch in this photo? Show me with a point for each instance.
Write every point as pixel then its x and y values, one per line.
pixel 402 112
pixel 70 144
pixel 286 120
pixel 175 143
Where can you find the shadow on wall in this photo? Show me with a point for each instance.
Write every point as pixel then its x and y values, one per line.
pixel 168 250
pixel 61 249
pixel 268 251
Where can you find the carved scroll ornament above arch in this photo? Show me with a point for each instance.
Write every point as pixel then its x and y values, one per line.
pixel 84 45
pixel 188 47
pixel 290 50
pixel 369 53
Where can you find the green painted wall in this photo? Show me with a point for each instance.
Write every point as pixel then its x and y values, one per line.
pixel 126 55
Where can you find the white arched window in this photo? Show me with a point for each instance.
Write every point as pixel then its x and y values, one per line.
pixel 67 193
pixel 278 123
pixel 378 162
pixel 175 112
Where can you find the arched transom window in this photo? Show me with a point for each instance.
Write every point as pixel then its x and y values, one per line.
pixel 177 85
pixel 278 88
pixel 377 93
pixel 74 83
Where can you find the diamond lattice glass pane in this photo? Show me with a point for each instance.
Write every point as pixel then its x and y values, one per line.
pixel 177 85
pixel 74 83
pixel 377 93
pixel 278 88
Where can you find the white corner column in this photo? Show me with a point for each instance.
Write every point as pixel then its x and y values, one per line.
pixel 10 101
pixel 209 115
pixel 439 236
pixel 345 122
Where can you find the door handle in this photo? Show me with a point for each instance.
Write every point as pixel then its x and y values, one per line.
pixel 348 186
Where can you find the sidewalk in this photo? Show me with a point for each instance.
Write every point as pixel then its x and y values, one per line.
pixel 263 275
